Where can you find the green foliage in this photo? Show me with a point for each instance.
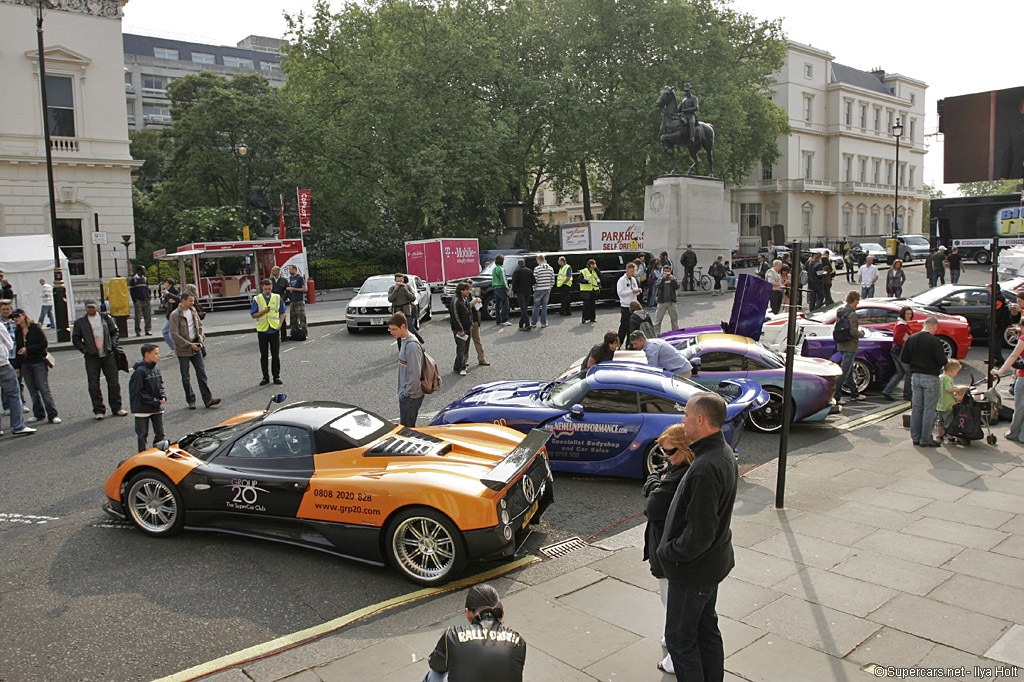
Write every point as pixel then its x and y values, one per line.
pixel 989 187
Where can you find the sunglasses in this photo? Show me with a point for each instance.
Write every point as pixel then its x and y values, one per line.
pixel 670 451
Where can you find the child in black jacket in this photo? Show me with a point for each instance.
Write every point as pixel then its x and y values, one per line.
pixel 146 393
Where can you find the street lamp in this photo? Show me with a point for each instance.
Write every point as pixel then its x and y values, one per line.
pixel 242 149
pixel 59 293
pixel 897 132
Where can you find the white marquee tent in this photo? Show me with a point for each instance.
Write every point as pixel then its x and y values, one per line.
pixel 25 260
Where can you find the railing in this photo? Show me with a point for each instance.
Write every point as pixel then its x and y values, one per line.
pixel 335 274
pixel 63 144
pixel 157 118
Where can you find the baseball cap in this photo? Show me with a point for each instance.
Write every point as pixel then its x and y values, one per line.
pixel 942 248
pixel 91 303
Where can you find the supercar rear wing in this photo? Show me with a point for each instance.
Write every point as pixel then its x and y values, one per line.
pixel 517 460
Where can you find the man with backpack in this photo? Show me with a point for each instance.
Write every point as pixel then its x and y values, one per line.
pixel 846 334
pixel 410 370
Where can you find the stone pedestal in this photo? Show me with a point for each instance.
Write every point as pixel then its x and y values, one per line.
pixel 685 209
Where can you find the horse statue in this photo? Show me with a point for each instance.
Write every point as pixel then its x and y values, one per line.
pixel 674 133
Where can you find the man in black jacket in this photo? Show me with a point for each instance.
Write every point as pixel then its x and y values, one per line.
pixel 462 326
pixel 280 287
pixel 95 337
pixel 522 286
pixel 483 650
pixel 696 548
pixel 926 357
pixel 146 396
pixel 689 261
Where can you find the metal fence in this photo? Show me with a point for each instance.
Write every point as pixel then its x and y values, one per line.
pixel 338 274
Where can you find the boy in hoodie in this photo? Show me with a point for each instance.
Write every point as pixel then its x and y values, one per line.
pixel 146 393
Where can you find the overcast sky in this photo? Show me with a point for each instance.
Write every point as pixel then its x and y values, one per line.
pixel 955 48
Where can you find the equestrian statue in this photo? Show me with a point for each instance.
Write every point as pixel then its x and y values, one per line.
pixel 680 128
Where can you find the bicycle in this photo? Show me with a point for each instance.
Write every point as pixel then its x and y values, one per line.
pixel 705 282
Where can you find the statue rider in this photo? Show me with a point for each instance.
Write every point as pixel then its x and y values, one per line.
pixel 688 112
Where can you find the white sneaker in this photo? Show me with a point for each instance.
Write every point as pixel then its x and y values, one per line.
pixel 32 420
pixel 462 372
pixel 25 408
pixel 666 665
pixel 55 420
pixel 25 431
pixel 663 640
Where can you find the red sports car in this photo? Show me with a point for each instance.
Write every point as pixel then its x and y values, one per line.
pixel 880 313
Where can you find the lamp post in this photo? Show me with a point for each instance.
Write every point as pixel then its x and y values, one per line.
pixel 59 293
pixel 897 132
pixel 242 149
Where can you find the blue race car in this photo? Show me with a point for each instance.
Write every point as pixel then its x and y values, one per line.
pixel 605 422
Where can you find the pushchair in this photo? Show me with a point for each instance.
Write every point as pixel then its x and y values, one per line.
pixel 973 415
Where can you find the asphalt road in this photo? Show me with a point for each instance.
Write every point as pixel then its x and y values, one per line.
pixel 85 598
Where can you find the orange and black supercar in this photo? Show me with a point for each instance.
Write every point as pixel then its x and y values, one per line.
pixel 343 480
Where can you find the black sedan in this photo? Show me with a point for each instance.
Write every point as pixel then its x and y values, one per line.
pixel 970 301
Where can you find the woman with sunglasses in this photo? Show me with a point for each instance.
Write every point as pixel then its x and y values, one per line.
pixel 659 489
pixel 30 357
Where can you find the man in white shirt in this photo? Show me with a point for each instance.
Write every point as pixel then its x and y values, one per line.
pixel 627 288
pixel 774 277
pixel 867 276
pixel 10 387
pixel 545 279
pixel 46 305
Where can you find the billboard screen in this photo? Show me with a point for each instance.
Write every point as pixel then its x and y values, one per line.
pixel 984 135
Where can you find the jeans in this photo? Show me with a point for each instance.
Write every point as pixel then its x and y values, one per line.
pixel 524 311
pixel 408 410
pixel 142 429
pixel 902 372
pixel 954 276
pixel 624 314
pixel 11 389
pixel 37 380
pixel 692 636
pixel 718 284
pixel 867 291
pixel 501 305
pixel 924 399
pixel 270 343
pixel 847 378
pixel 434 676
pixel 298 319
pixel 1018 409
pixel 142 312
pixel 166 333
pixel 540 305
pixel 196 360
pixel 46 311
pixel 95 364
pixel 461 352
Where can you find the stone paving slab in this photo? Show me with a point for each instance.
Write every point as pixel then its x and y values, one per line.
pixel 761 569
pixel 373 661
pixel 956 533
pixel 819 627
pixel 738 598
pixel 1012 546
pixel 772 659
pixel 989 566
pixel 931 489
pixel 889 571
pixel 629 607
pixel 1002 484
pixel 909 547
pixel 804 550
pixel 852 596
pixel 569 582
pixel 623 565
pixel 965 513
pixel 887 499
pixel 940 622
pixel 830 528
pixel 990 499
pixel 749 533
pixel 984 596
pixel 871 515
pixel 889 646
pixel 1010 647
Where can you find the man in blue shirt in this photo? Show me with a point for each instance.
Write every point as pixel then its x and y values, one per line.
pixel 268 311
pixel 661 354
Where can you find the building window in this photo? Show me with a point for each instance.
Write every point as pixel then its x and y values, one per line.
pixel 889 117
pixel 270 67
pixel 913 98
pixel 861 220
pixel 876 171
pixel 773 217
pixel 60 106
pixel 848 168
pixel 913 125
pixel 808 107
pixel 888 172
pixel 165 53
pixel 874 222
pixel 808 71
pixel 848 112
pixel 154 85
pixel 750 220
pixel 156 113
pixel 806 222
pixel 878 118
pixel 863 115
pixel 808 165
pixel 69 239
pixel 847 218
pixel 766 172
pixel 131 111
pixel 910 178
pixel 128 87
pixel 862 170
pixel 903 175
pixel 238 62
pixel 203 58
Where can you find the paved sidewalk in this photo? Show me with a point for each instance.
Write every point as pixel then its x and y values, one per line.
pixel 887 554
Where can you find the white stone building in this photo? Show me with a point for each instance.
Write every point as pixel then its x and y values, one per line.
pixel 836 176
pixel 91 161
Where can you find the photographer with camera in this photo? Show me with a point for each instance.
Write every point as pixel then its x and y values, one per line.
pixel 403 300
pixel 187 333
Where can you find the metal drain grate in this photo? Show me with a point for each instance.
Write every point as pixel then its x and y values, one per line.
pixel 562 548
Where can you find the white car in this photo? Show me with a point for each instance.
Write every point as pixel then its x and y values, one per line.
pixel 370 309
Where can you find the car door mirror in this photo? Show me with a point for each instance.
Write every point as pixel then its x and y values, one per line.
pixel 576 411
pixel 945 303
pixel 356 289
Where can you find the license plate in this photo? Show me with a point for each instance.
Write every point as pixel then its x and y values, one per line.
pixel 529 514
pixel 380 320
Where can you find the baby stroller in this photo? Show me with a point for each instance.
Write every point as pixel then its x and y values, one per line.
pixel 972 416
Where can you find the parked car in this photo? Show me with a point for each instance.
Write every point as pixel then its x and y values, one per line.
pixel 605 421
pixel 912 247
pixel 873 363
pixel 838 265
pixel 370 308
pixel 964 300
pixel 862 250
pixel 346 481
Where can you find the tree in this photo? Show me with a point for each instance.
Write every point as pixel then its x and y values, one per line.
pixel 988 187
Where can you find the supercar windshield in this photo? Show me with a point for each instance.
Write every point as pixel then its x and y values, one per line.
pixel 203 444
pixel 569 392
pixel 827 314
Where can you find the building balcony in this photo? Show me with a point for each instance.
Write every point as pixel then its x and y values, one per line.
pixel 64 144
pixel 129 88
pixel 157 119
pixel 154 92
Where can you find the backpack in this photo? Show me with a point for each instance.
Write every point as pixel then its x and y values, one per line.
pixel 430 377
pixel 804 279
pixel 841 332
pixel 648 328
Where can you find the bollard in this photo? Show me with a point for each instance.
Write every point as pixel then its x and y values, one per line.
pixel 310 290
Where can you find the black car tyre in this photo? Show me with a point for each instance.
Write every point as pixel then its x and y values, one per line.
pixel 425 546
pixel 352 330
pixel 769 418
pixel 654 458
pixel 948 346
pixel 154 505
pixel 982 257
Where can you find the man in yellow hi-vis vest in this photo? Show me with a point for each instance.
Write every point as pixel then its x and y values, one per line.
pixel 564 285
pixel 268 310
pixel 590 285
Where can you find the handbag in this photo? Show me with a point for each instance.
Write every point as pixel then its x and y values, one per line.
pixel 121 358
pixel 50 362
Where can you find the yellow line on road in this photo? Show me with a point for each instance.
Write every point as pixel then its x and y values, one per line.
pixel 869 419
pixel 296 638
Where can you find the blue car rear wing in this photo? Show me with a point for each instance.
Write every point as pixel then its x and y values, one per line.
pixel 516 461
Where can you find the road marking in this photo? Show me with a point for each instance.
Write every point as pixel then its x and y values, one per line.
pixel 289 348
pixel 31 519
pixel 325 335
pixel 302 636
pixel 113 524
pixel 874 417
